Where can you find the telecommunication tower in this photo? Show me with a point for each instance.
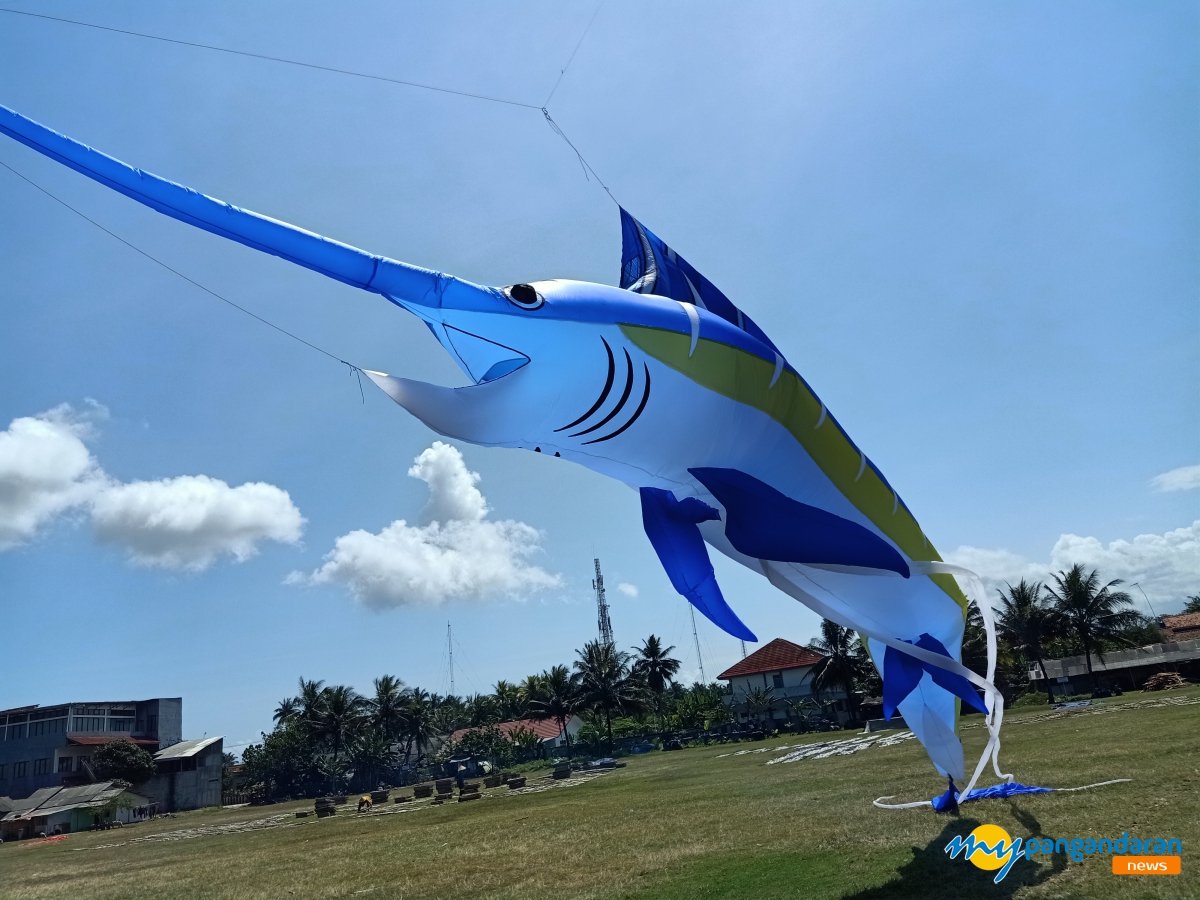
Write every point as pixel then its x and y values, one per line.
pixel 602 620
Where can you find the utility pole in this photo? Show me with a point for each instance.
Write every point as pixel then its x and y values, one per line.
pixel 450 647
pixel 602 620
pixel 696 638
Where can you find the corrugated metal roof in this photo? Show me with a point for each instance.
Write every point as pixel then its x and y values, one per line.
pixel 107 737
pixel 47 801
pixel 186 748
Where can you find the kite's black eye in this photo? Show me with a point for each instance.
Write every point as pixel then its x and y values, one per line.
pixel 524 296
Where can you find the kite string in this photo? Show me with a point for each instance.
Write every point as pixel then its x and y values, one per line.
pixel 543 109
pixel 353 368
pixel 278 59
pixel 571 58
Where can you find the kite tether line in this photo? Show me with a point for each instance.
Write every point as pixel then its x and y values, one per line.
pixel 543 108
pixel 356 370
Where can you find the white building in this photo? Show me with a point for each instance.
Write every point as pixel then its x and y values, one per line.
pixel 783 671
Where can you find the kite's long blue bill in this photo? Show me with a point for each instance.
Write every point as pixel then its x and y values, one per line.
pixel 337 260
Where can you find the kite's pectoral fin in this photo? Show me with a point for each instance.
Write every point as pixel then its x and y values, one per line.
pixel 763 523
pixel 469 414
pixel 671 526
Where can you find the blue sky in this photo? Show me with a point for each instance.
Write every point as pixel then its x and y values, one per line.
pixel 973 229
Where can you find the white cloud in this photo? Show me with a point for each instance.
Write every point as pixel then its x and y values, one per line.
pixel 1186 478
pixel 629 590
pixel 457 554
pixel 45 469
pixel 177 523
pixel 189 521
pixel 1166 566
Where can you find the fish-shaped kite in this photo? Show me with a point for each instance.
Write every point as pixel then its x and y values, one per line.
pixel 665 385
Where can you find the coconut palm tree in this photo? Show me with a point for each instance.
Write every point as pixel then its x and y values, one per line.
pixel 841 667
pixel 1027 622
pixel 311 699
pixel 387 708
pixel 759 703
pixel 559 699
pixel 509 704
pixel 371 754
pixel 419 728
pixel 606 683
pixel 1193 604
pixel 287 710
pixel 1091 613
pixel 530 689
pixel 341 718
pixel 654 663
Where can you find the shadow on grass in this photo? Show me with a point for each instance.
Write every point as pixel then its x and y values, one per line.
pixel 931 874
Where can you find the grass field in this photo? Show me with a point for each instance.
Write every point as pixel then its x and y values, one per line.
pixel 688 825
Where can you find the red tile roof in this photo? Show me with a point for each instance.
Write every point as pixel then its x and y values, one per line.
pixel 545 729
pixel 1183 624
pixel 773 657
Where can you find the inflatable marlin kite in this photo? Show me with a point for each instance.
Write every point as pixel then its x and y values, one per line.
pixel 663 384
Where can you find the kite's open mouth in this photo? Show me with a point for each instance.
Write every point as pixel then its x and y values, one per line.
pixel 484 360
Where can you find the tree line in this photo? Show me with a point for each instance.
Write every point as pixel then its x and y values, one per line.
pixel 331 737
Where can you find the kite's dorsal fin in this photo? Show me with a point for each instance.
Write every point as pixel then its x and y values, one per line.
pixel 765 524
pixel 671 526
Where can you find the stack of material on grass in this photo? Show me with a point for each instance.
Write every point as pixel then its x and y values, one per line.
pixel 422 790
pixel 341 799
pixel 516 781
pixel 466 795
pixel 326 806
pixel 303 814
pixel 470 787
pixel 491 781
pixel 403 798
pixel 562 770
pixel 379 796
pixel 504 776
pixel 1164 681
pixel 438 801
pixel 444 785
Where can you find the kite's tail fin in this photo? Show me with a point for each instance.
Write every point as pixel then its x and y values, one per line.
pixel 405 284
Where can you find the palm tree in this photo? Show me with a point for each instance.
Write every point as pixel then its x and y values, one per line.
pixel 311 698
pixel 371 754
pixel 387 706
pixel 606 683
pixel 1193 604
pixel 1091 613
pixel 341 717
pixel 759 703
pixel 419 729
pixel 655 665
pixel 287 711
pixel 508 700
pixel 559 699
pixel 1027 622
pixel 530 689
pixel 841 667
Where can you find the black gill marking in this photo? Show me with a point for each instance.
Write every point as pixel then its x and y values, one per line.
pixel 620 404
pixel 612 371
pixel 634 418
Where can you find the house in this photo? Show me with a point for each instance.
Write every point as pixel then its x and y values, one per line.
pixel 547 730
pixel 1125 669
pixel 61 810
pixel 52 746
pixel 188 775
pixel 783 671
pixel 1184 627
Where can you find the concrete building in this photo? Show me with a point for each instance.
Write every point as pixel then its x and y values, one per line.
pixel 1126 669
pixel 784 671
pixel 61 810
pixel 52 746
pixel 189 775
pixel 1182 627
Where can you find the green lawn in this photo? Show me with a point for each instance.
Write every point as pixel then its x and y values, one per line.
pixel 688 825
